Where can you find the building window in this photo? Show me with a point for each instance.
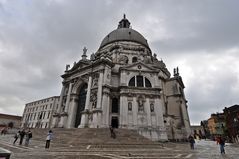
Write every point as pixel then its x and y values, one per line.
pixel 134 59
pixel 48 115
pixel 132 82
pixel 129 106
pixel 147 83
pixel 139 81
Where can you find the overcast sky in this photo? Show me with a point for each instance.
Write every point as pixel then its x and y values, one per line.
pixel 39 37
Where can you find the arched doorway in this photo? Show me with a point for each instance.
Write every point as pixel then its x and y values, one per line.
pixel 81 104
pixel 114 122
pixel 115 105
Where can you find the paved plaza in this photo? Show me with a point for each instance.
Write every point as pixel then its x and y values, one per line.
pixel 36 150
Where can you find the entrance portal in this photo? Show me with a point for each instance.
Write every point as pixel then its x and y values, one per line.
pixel 81 104
pixel 114 122
pixel 115 105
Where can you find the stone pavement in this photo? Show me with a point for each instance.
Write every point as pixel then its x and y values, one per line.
pixel 203 150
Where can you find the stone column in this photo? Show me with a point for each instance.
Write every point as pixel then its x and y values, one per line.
pixel 162 135
pixel 56 116
pixel 99 93
pixel 97 119
pixel 105 109
pixel 68 98
pixel 84 116
pixel 148 111
pixel 72 111
pixel 135 112
pixel 61 99
pixel 64 115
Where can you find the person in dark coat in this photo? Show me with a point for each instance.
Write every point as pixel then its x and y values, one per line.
pixel 112 132
pixel 222 144
pixel 16 136
pixel 191 141
pixel 22 134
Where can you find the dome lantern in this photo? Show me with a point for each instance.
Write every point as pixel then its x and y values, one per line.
pixel 124 23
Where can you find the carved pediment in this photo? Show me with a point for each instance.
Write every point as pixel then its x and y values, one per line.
pixel 139 66
pixel 80 64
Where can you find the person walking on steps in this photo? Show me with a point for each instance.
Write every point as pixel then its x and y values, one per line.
pixel 112 133
pixel 22 134
pixel 48 139
pixel 28 137
pixel 191 141
pixel 16 136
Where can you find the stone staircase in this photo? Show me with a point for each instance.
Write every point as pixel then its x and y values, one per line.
pixel 96 137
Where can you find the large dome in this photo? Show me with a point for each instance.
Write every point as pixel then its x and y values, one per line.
pixel 124 33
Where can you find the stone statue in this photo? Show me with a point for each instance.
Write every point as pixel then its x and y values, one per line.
pixel 93 99
pixel 151 107
pixel 92 57
pixel 67 67
pixel 141 105
pixel 147 60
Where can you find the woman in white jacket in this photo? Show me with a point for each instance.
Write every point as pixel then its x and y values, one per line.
pixel 48 139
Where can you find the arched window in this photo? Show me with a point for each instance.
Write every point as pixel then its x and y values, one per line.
pixel 139 81
pixel 132 82
pixel 147 83
pixel 135 59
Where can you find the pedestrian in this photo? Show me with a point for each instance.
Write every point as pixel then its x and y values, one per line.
pixel 222 144
pixel 16 136
pixel 191 141
pixel 217 139
pixel 112 133
pixel 4 131
pixel 48 139
pixel 22 134
pixel 28 137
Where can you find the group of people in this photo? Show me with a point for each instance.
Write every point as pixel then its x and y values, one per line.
pixel 21 134
pixel 28 135
pixel 219 140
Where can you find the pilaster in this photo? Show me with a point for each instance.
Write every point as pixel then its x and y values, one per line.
pixel 56 115
pixel 85 113
pixel 72 111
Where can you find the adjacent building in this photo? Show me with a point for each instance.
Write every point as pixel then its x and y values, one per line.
pixel 9 121
pixel 204 124
pixel 197 131
pixel 123 85
pixel 38 114
pixel 216 124
pixel 232 122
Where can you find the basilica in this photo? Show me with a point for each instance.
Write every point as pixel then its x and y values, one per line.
pixel 123 85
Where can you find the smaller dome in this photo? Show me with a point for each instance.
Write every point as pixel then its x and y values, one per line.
pixel 124 34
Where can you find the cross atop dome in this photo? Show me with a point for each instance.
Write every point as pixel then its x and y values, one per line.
pixel 124 23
